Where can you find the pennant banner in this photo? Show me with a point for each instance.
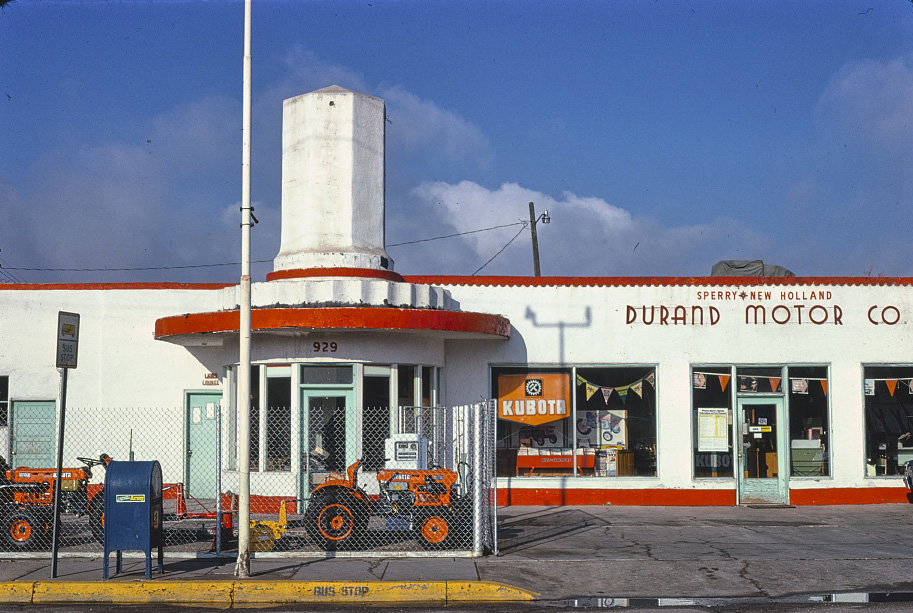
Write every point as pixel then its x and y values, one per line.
pixel 724 381
pixel 591 389
pixel 606 392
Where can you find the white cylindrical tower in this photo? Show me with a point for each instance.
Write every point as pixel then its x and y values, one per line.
pixel 333 182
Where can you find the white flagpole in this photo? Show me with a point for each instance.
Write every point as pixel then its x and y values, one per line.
pixel 242 567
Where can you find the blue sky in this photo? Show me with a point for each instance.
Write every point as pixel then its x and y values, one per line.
pixel 661 136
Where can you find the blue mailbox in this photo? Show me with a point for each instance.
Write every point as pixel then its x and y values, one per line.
pixel 133 511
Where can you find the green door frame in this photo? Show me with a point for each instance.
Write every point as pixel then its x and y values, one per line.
pixel 201 442
pixel 347 393
pixel 761 448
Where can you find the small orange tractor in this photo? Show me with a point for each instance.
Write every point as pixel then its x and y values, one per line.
pixel 438 515
pixel 27 500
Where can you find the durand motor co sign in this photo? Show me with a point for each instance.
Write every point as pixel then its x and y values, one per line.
pixel 759 308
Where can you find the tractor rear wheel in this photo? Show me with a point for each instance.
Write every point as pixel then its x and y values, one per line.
pixel 97 516
pixel 336 520
pixel 22 531
pixel 434 529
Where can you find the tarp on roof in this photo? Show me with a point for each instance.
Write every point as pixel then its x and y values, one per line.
pixel 748 268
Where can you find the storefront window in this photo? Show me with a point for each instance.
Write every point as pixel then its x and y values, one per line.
pixel 760 380
pixel 278 418
pixel 376 415
pixel 711 402
pixel 607 428
pixel 406 385
pixel 888 426
pixel 808 422
pixel 4 400
pixel 314 374
pixel 254 418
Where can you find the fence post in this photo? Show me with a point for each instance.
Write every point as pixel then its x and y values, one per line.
pixel 477 489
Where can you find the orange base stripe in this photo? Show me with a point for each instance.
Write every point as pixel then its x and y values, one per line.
pixel 648 497
pixel 681 497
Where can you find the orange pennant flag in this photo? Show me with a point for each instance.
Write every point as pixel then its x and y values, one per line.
pixel 824 386
pixel 724 380
pixel 892 385
pixel 774 383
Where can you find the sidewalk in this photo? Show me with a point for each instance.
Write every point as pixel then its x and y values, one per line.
pixel 546 553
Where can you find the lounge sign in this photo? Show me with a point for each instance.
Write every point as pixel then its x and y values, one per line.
pixel 533 398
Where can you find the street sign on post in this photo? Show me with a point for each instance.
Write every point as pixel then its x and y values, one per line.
pixel 67 339
pixel 67 346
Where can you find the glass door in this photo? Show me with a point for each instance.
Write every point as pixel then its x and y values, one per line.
pixel 762 454
pixel 327 434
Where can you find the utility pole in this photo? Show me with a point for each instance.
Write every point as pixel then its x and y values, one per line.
pixel 532 228
pixel 242 567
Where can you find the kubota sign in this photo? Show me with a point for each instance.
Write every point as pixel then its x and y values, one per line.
pixel 533 398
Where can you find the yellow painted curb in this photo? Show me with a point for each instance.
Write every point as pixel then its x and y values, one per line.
pixel 133 592
pixel 486 591
pixel 338 592
pixel 234 593
pixel 15 592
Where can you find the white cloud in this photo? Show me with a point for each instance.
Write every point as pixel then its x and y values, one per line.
pixel 587 236
pixel 870 101
pixel 421 126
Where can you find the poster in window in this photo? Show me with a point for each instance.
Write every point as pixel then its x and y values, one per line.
pixel 534 398
pixel 713 429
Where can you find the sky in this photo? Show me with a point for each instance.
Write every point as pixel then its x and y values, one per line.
pixel 661 136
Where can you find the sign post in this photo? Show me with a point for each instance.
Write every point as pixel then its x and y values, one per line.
pixel 67 350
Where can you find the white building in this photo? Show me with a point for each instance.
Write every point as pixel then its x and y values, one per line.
pixel 712 390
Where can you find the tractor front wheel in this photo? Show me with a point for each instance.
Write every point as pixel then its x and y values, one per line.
pixel 335 520
pixel 434 529
pixel 21 531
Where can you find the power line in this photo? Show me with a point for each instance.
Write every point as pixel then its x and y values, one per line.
pixel 424 240
pixel 129 269
pixel 502 249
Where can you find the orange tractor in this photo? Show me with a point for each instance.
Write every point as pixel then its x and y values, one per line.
pixel 27 500
pixel 439 516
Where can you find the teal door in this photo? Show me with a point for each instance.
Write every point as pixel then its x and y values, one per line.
pixel 327 434
pixel 202 427
pixel 762 454
pixel 33 433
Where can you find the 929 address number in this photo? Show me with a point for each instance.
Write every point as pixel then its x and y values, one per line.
pixel 325 347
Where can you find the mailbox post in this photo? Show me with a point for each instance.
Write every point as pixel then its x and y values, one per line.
pixel 133 511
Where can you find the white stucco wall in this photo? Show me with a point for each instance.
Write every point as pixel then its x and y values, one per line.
pixel 578 325
pixel 127 379
pixel 124 378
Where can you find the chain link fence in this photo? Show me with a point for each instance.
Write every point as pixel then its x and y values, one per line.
pixel 326 478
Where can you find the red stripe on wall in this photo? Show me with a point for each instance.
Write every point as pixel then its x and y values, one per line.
pixel 650 281
pixel 648 497
pixel 680 497
pixel 850 495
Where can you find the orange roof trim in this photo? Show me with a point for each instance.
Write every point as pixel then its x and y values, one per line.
pixel 649 281
pixel 356 318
